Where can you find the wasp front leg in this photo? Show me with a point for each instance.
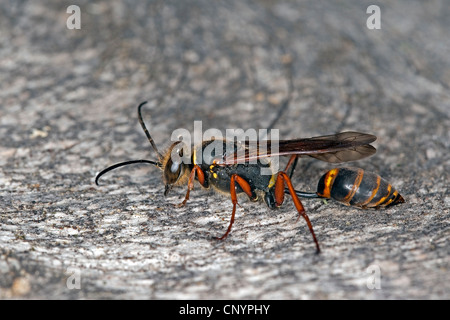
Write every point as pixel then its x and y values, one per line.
pixel 282 180
pixel 196 171
pixel 245 186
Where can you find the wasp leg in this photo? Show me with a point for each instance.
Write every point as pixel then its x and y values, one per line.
pixel 269 199
pixel 246 188
pixel 292 161
pixel 201 178
pixel 293 167
pixel 283 179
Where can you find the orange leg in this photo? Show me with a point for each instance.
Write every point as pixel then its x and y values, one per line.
pixel 283 179
pixel 246 188
pixel 290 162
pixel 201 178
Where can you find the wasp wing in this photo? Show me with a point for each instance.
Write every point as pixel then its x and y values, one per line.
pixel 335 148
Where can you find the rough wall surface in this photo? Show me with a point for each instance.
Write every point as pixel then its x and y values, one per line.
pixel 68 103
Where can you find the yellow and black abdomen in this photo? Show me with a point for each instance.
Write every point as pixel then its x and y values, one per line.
pixel 359 188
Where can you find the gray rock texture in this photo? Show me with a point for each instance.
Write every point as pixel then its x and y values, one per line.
pixel 68 101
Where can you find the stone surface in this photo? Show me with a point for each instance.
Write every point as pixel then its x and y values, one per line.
pixel 68 109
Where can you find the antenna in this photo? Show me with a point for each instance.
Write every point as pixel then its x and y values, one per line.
pixel 149 137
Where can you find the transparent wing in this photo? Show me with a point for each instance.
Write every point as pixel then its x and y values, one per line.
pixel 340 147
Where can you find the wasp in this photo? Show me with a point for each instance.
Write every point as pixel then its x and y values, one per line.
pixel 238 170
pixel 355 187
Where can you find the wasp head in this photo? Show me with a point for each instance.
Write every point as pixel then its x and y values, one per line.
pixel 175 170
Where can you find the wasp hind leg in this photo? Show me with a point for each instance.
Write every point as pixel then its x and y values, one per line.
pixel 282 180
pixel 245 186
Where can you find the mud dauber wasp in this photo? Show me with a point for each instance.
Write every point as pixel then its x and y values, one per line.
pixel 239 171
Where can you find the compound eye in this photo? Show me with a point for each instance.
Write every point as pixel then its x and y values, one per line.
pixel 172 172
pixel 175 168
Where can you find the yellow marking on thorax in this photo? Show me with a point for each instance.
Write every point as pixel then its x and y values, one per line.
pixel 194 157
pixel 272 181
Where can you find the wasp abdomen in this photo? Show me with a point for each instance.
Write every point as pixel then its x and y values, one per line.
pixel 359 188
